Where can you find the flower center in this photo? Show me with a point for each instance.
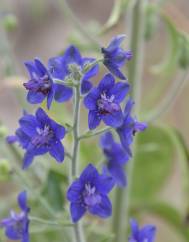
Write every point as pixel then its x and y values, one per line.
pixel 91 197
pixel 106 105
pixel 43 137
pixel 39 84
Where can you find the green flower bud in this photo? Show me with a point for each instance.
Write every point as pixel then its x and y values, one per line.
pixel 5 170
pixel 3 131
pixel 184 51
pixel 10 22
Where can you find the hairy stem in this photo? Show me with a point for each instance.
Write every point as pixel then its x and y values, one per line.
pixel 122 203
pixel 78 230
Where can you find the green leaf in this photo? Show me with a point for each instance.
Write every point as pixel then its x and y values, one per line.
pixel 171 59
pixel 52 190
pixel 118 9
pixel 153 162
pixel 169 214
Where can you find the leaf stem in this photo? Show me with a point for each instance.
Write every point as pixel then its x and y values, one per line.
pixel 89 134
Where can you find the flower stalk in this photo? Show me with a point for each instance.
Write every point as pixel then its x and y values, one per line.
pixel 78 230
pixel 123 196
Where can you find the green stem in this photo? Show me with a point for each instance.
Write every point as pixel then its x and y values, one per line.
pixel 49 222
pixel 169 99
pixel 79 26
pixel 135 75
pixel 90 134
pixel 74 168
pixel 78 230
pixel 123 196
pixel 26 182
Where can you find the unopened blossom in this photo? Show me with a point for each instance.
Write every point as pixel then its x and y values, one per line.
pixel 115 57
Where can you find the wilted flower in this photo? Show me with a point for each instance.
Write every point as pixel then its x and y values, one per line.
pixel 129 127
pixel 38 135
pixel 115 57
pixel 116 158
pixel 17 225
pixel 72 65
pixel 89 193
pixel 146 234
pixel 104 101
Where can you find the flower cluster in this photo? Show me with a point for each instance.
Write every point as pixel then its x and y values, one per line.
pixel 39 134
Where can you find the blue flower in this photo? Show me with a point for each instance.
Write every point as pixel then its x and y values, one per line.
pixel 129 127
pixel 17 225
pixel 89 193
pixel 115 57
pixel 104 101
pixel 73 65
pixel 41 85
pixel 116 159
pixel 38 135
pixel 146 234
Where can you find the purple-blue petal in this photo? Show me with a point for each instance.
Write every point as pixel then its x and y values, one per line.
pixel 12 233
pixel 28 158
pixel 103 209
pixel 106 83
pixel 114 119
pixel 50 97
pixel 93 119
pixel 35 97
pixel 115 42
pixel 29 124
pixel 62 93
pixel 74 192
pixel 72 55
pixel 85 86
pixel 90 101
pixel 77 211
pixel 90 173
pixel 114 69
pixel 119 91
pixel 22 201
pixel 57 151
pixel 118 173
pixel 104 184
pixel 41 68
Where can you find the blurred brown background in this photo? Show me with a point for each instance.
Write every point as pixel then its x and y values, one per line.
pixel 43 31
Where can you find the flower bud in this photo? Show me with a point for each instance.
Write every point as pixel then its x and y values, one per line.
pixel 184 51
pixel 10 22
pixel 5 170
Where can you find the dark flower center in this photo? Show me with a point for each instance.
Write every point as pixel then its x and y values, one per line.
pixel 91 196
pixel 43 137
pixel 39 84
pixel 106 105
